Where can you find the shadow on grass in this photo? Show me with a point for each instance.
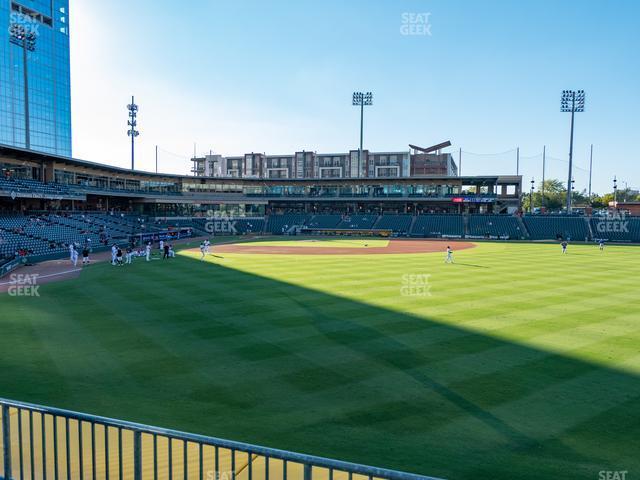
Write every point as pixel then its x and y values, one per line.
pixel 206 348
pixel 469 265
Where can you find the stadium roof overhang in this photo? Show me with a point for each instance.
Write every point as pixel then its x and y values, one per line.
pixel 41 157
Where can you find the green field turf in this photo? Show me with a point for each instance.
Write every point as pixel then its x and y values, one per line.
pixel 516 363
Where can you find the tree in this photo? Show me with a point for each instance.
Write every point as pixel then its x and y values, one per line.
pixel 555 195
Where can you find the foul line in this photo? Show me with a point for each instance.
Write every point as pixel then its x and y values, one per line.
pixel 46 276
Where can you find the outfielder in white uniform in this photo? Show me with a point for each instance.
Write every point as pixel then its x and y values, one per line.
pixel 449 258
pixel 148 251
pixel 114 251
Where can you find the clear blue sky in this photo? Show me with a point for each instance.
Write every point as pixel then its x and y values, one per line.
pixel 274 76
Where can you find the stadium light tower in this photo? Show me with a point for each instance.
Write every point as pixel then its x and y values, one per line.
pixel 533 182
pixel 24 37
pixel 572 102
pixel 361 100
pixel 133 123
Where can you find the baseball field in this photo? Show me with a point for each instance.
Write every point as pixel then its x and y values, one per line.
pixel 515 361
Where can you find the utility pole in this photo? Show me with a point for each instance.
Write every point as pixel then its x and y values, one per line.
pixel 460 162
pixel 518 161
pixel 156 158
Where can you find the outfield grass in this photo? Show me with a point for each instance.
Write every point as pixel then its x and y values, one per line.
pixel 518 363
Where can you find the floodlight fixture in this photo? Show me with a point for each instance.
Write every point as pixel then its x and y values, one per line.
pixel 571 101
pixel 361 99
pixel 132 132
pixel 21 35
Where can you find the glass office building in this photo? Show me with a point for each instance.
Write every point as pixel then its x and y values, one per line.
pixel 35 96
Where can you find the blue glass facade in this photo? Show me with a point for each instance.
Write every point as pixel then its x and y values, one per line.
pixel 40 117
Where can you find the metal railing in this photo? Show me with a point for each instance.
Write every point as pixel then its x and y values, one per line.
pixel 47 443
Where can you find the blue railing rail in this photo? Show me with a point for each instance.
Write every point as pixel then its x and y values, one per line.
pixel 40 442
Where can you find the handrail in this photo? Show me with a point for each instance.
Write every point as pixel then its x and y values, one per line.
pixel 306 460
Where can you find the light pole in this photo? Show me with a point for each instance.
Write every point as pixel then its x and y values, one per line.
pixel 25 38
pixel 572 102
pixel 615 193
pixel 361 100
pixel 544 167
pixel 590 171
pixel 133 123
pixel 531 197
